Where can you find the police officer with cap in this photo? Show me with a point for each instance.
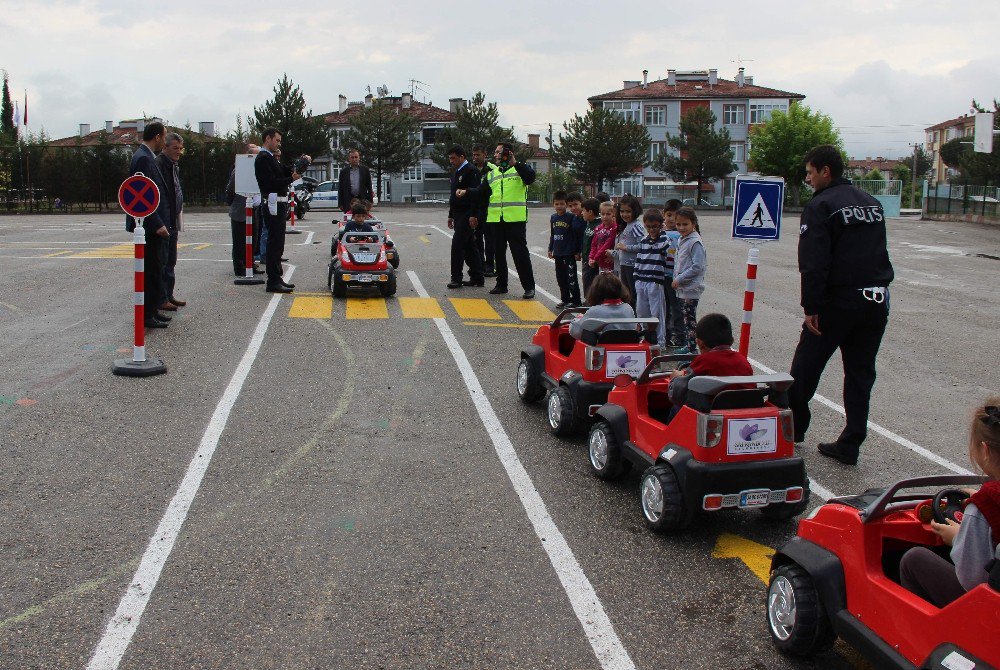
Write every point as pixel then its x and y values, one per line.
pixel 845 272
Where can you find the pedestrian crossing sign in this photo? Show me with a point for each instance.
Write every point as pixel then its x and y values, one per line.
pixel 757 208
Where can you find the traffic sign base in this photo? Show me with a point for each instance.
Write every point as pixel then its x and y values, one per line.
pixel 292 231
pixel 126 367
pixel 248 281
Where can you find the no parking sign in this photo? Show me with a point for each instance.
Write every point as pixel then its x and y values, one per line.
pixel 138 196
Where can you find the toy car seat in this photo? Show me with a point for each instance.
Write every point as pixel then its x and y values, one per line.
pixel 705 393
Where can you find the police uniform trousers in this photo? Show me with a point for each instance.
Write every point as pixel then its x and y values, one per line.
pixel 464 250
pixel 275 242
pixel 484 244
pixel 515 234
pixel 857 333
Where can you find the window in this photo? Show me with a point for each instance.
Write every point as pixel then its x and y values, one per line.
pixel 429 135
pixel 739 152
pixel 656 116
pixel 335 173
pixel 413 173
pixel 761 112
pixel 629 110
pixel 631 185
pixel 655 149
pixel 734 115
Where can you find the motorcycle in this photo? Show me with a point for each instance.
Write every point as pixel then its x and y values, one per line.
pixel 302 197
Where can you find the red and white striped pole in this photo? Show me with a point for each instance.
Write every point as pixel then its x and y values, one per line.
pixel 291 204
pixel 748 295
pixel 248 277
pixel 139 366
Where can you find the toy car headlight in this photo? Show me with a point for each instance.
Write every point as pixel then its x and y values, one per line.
pixel 593 358
pixel 709 429
pixel 345 256
pixel 381 256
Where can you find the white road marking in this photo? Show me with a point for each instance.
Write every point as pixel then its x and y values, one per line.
pixel 309 239
pixel 122 626
pixel 588 608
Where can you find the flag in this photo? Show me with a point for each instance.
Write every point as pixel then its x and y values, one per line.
pixel 25 108
pixel 17 115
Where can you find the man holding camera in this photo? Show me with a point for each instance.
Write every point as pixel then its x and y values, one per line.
pixel 273 180
pixel 507 182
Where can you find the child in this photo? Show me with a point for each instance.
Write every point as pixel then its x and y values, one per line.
pixel 650 262
pixel 627 244
pixel 973 540
pixel 689 274
pixel 359 221
pixel 714 338
pixel 564 245
pixel 603 242
pixel 590 213
pixel 609 299
pixel 674 312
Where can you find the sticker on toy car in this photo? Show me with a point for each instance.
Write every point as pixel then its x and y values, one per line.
pixel 752 436
pixel 625 363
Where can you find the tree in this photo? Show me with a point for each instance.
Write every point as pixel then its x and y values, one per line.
pixel 924 162
pixel 476 123
pixel 981 168
pixel 547 183
pixel 602 145
pixel 953 150
pixel 874 175
pixel 301 132
pixel 703 153
pixel 8 134
pixel 778 146
pixel 385 137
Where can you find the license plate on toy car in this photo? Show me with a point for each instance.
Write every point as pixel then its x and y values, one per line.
pixel 755 498
pixel 366 279
pixel 752 436
pixel 364 258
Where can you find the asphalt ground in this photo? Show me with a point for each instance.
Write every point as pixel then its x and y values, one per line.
pixel 358 507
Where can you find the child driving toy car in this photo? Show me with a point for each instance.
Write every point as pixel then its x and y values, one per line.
pixel 359 221
pixel 973 539
pixel 609 298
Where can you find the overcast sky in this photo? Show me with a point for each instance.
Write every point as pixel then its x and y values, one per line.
pixel 883 69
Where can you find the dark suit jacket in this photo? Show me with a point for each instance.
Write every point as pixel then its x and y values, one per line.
pixel 467 177
pixel 344 194
pixel 272 176
pixel 167 168
pixel 144 161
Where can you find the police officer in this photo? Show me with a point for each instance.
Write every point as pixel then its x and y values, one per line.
pixel 507 184
pixel 845 270
pixel 461 214
pixel 273 179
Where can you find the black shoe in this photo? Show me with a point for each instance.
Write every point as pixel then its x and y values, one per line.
pixel 286 284
pixel 159 316
pixel 154 323
pixel 490 273
pixel 563 305
pixel 280 288
pixel 473 282
pixel 845 455
pixel 498 290
pixel 284 260
pixel 455 284
pixel 529 294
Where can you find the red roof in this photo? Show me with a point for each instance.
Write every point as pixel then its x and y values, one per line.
pixel 688 89
pixel 128 136
pixel 423 112
pixel 868 164
pixel 964 120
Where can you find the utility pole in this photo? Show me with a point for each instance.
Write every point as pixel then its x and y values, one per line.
pixel 552 163
pixel 913 178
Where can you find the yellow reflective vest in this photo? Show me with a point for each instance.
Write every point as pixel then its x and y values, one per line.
pixel 508 196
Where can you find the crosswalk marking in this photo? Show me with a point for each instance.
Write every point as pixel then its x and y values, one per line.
pixel 474 308
pixel 367 308
pixel 202 246
pixel 421 308
pixel 311 307
pixel 530 310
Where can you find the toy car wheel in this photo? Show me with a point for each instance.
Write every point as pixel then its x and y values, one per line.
pixel 795 616
pixel 529 383
pixel 393 258
pixel 786 511
pixel 562 411
pixel 389 288
pixel 339 288
pixel 605 453
pixel 661 498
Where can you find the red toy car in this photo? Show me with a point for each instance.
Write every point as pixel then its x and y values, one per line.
pixel 578 373
pixel 728 447
pixel 360 261
pixel 840 577
pixel 391 252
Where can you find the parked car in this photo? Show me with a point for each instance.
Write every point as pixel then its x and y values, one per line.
pixel 689 202
pixel 325 196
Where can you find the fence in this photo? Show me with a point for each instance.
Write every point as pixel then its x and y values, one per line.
pixel 962 200
pixel 888 192
pixel 44 178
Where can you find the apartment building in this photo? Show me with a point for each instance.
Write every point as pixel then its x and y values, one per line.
pixel 738 104
pixel 937 135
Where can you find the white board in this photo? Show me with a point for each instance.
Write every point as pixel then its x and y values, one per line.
pixel 246 179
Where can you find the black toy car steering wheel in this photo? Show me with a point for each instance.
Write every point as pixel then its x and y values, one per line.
pixel 946 503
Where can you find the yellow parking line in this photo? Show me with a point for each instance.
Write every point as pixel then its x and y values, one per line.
pixel 474 308
pixel 367 308
pixel 425 239
pixel 202 246
pixel 421 308
pixel 58 253
pixel 311 308
pixel 530 310
pixel 532 326
pixel 115 251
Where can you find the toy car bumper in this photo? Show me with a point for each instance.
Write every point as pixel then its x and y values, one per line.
pixel 712 486
pixel 362 278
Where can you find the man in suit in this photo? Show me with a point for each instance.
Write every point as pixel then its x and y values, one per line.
pixel 154 224
pixel 237 217
pixel 484 231
pixel 355 182
pixel 167 161
pixel 460 211
pixel 273 179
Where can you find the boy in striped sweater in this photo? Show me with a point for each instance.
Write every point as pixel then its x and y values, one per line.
pixel 650 273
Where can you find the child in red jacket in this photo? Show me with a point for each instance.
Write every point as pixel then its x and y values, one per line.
pixel 714 335
pixel 603 240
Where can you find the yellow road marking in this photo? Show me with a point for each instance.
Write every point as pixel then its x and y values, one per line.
pixel 474 308
pixel 311 307
pixel 202 246
pixel 367 308
pixel 425 239
pixel 755 556
pixel 532 326
pixel 58 253
pixel 530 310
pixel 115 251
pixel 312 293
pixel 421 308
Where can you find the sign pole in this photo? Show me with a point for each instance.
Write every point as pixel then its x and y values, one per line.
pixel 139 366
pixel 753 254
pixel 248 279
pixel 291 209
